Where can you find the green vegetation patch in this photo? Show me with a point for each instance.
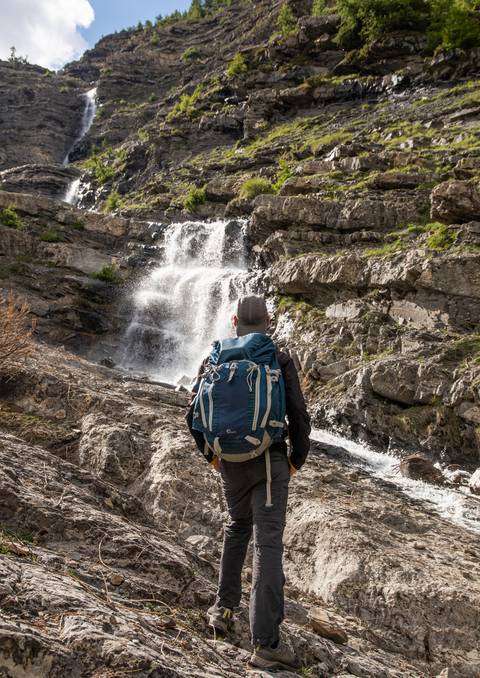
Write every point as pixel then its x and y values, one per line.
pixel 191 54
pixel 237 66
pixel 253 187
pixel 51 235
pixel 108 274
pixel 113 202
pixel 9 217
pixel 194 198
pixel 447 23
pixel 186 106
pixel 441 237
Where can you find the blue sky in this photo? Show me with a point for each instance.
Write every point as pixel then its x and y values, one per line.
pixel 113 15
pixel 53 32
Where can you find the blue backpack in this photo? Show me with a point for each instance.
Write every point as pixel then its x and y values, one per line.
pixel 240 402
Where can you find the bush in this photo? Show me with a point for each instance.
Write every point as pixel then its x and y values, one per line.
pixel 253 187
pixel 191 54
pixel 286 21
pixel 16 330
pixel 448 23
pixel 186 106
pixel 113 202
pixel 9 217
pixel 318 7
pixel 50 235
pixel 454 23
pixel 108 274
pixel 369 19
pixel 99 167
pixel 237 66
pixel 441 237
pixel 194 198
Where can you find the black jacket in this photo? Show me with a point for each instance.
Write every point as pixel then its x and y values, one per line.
pixel 297 415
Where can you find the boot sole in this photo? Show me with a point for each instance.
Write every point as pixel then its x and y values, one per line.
pixel 259 663
pixel 223 629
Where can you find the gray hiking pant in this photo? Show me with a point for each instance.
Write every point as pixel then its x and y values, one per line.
pixel 244 486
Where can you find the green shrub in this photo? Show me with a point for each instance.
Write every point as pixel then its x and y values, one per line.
pixel 155 39
pixel 113 202
pixel 99 167
pixel 369 19
pixel 286 21
pixel 253 187
pixel 186 106
pixel 153 97
pixel 448 23
pixel 454 23
pixel 50 235
pixel 441 237
pixel 191 54
pixel 237 66
pixel 318 7
pixel 194 198
pixel 9 217
pixel 285 172
pixel 108 274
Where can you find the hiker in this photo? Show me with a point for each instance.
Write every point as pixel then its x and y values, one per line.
pixel 255 468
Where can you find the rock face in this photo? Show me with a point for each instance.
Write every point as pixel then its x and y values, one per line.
pixel 41 115
pixel 110 541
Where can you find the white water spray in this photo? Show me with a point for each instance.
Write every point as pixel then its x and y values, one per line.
pixel 454 505
pixel 187 301
pixel 71 195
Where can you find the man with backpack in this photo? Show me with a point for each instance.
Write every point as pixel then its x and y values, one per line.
pixel 244 392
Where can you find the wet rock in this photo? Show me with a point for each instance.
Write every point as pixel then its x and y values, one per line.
pixel 456 202
pixel 417 467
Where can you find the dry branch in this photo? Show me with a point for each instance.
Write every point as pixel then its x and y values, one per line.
pixel 16 330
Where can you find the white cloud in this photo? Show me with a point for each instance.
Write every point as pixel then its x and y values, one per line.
pixel 44 30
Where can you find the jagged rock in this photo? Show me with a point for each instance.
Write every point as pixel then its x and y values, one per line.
pixel 474 482
pixel 315 26
pixel 417 467
pixel 49 180
pixel 354 214
pixel 396 180
pixel 224 189
pixel 456 202
pixel 323 625
pixel 466 167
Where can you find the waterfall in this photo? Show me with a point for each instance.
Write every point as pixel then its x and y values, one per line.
pixel 88 116
pixel 187 300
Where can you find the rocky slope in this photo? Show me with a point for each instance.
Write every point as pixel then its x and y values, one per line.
pixel 366 239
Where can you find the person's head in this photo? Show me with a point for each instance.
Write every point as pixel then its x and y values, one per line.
pixel 251 316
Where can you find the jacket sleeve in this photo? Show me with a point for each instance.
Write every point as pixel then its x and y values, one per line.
pixel 197 436
pixel 298 419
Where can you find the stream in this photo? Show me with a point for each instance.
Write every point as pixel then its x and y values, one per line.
pixel 458 506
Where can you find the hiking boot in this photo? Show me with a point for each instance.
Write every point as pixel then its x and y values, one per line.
pixel 221 618
pixel 280 657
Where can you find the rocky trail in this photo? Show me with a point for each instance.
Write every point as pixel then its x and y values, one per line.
pixel 111 531
pixel 143 188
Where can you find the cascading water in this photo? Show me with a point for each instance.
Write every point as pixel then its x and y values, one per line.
pixel 456 505
pixel 89 112
pixel 186 301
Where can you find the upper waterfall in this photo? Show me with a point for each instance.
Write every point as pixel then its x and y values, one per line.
pixel 87 119
pixel 186 301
